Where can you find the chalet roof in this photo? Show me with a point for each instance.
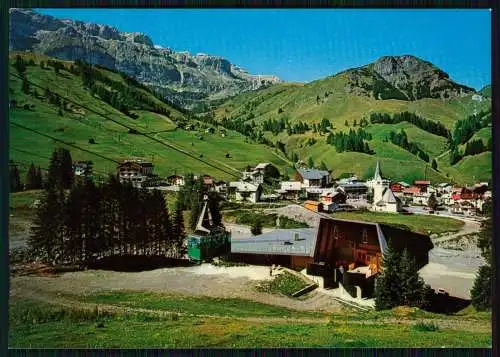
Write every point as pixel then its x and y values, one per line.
pixel 404 184
pixel 421 182
pixel 291 185
pixel 174 176
pixel 412 189
pixel 262 166
pixel 244 186
pixel 312 174
pixel 274 243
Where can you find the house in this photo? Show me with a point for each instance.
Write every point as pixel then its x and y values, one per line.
pixel 314 206
pixel 134 171
pixel 244 191
pixel 469 200
pixel 290 190
pixel 384 199
pixel 313 177
pixel 336 196
pixel 421 198
pixel 208 181
pixel 338 252
pixel 314 193
pixel 221 189
pixel 82 168
pixel 353 189
pixel 422 184
pixel 263 172
pixel 399 186
pixel 175 180
pixel 444 187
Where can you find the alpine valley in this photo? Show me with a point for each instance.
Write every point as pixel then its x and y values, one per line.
pixel 113 95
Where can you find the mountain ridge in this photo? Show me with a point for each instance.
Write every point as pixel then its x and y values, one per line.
pixel 182 77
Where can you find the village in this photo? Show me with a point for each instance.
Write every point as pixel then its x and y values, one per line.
pixel 317 191
pixel 339 256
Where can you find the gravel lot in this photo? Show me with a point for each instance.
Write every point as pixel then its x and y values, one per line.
pixel 203 280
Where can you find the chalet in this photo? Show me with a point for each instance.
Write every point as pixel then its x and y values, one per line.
pixel 336 196
pixel 313 177
pixel 175 180
pixel 339 252
pixel 399 186
pixel 208 181
pixel 244 191
pixel 314 193
pixel 261 173
pixel 469 200
pixel 290 190
pixel 422 184
pixel 82 168
pixel 444 188
pixel 421 198
pixel 134 171
pixel 353 189
pixel 314 206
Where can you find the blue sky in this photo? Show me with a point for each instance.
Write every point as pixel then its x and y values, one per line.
pixel 303 45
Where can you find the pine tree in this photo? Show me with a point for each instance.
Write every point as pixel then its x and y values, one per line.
pixel 434 164
pixel 47 236
pixel 20 65
pixel 256 227
pixel 32 181
pixel 481 292
pixel 432 202
pixel 179 233
pixel 310 163
pixel 412 285
pixel 15 180
pixel 388 290
pixel 346 123
pixel 26 86
pixel 323 166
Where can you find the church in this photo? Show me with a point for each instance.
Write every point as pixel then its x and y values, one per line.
pixel 384 199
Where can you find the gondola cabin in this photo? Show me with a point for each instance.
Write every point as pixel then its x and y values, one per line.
pixel 208 240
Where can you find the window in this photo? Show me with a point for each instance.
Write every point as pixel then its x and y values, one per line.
pixel 335 232
pixel 365 236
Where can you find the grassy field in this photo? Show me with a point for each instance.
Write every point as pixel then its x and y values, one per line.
pixel 76 126
pixel 285 283
pixel 37 325
pixel 268 220
pixel 416 223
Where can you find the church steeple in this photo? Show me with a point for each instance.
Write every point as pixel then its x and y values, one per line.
pixel 378 176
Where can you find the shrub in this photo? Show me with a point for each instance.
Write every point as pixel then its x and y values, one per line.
pixel 426 327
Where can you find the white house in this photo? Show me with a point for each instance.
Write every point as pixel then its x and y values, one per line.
pixel 290 189
pixel 242 191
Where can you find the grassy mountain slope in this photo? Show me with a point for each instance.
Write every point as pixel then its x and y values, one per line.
pixel 78 125
pixel 328 98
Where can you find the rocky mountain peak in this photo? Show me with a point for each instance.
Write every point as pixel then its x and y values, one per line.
pixel 181 77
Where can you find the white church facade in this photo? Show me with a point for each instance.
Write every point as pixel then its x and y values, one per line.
pixel 384 199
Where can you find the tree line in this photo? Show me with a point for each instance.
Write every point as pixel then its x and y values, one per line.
pixel 86 222
pixel 401 139
pixel 464 129
pixel 352 141
pixel 430 126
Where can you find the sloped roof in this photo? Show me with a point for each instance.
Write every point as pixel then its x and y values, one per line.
pixel 261 166
pixel 244 186
pixel 291 185
pixel 274 242
pixel 312 174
